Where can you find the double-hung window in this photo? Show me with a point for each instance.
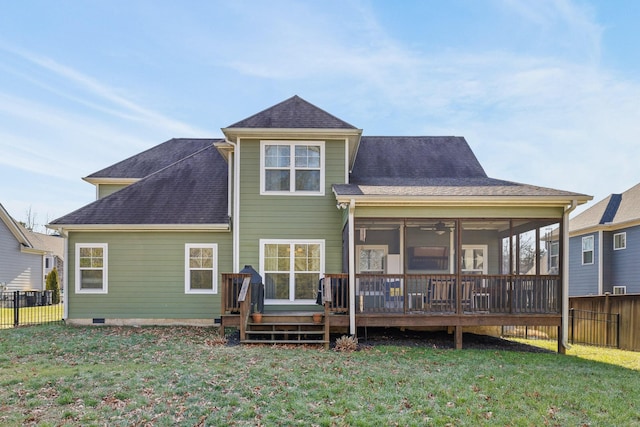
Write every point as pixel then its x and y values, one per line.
pixel 91 268
pixel 291 269
pixel 200 274
pixel 587 250
pixel 292 167
pixel 619 241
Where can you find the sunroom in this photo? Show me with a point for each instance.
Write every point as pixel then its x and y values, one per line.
pixel 456 266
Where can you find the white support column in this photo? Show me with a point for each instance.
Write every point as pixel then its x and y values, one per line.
pixel 352 269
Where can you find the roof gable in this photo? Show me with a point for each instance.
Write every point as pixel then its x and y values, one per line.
pixel 17 230
pixel 615 210
pixel 193 190
pixel 401 160
pixel 293 113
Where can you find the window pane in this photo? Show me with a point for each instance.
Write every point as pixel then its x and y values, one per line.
pixel 276 285
pixel 307 180
pixel 276 257
pixel 201 279
pixel 307 156
pixel 277 180
pixel 306 285
pixel 91 279
pixel 587 243
pixel 277 156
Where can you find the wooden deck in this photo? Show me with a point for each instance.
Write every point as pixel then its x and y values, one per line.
pixel 409 301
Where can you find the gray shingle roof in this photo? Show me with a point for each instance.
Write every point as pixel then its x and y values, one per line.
pixel 424 166
pixel 613 210
pixel 409 160
pixel 192 190
pixel 154 159
pixel 451 187
pixel 293 113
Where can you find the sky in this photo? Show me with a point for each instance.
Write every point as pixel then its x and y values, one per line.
pixel 546 92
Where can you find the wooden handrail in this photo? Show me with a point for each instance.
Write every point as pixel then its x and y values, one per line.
pixel 244 300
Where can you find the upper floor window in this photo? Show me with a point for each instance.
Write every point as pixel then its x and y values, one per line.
pixel 587 250
pixel 292 167
pixel 91 268
pixel 619 241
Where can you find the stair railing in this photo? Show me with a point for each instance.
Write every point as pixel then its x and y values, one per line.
pixel 244 300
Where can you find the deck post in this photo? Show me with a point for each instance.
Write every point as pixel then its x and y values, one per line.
pixel 458 337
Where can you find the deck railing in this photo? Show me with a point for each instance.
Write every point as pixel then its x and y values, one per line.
pixel 450 294
pixel 430 293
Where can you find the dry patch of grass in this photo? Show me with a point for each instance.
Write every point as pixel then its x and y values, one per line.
pixel 58 375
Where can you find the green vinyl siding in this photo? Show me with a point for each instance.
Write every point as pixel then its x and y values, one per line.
pixel 146 276
pixel 105 190
pixel 290 216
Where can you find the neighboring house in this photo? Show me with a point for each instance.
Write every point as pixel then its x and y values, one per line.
pixel 26 257
pixel 605 246
pixel 300 194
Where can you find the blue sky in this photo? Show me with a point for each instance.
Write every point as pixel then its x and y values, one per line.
pixel 546 92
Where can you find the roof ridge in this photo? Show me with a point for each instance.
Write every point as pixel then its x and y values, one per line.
pixel 178 161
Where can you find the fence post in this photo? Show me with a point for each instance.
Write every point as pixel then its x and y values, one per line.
pixel 572 323
pixel 16 308
pixel 617 330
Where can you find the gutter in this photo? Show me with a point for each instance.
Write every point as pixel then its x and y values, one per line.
pixel 565 272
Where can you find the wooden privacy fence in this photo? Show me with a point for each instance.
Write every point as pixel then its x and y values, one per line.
pixel 19 308
pixel 626 306
pixel 602 320
pixel 585 327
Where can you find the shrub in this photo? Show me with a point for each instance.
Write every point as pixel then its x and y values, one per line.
pixel 53 285
pixel 346 343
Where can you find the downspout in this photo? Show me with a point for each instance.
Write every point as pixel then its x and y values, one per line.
pixel 600 265
pixel 65 275
pixel 565 272
pixel 235 214
pixel 352 269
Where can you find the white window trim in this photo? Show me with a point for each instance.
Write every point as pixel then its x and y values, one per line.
pixel 625 241
pixel 187 268
pixel 619 288
pixel 292 191
pixel 291 242
pixel 105 265
pixel 592 250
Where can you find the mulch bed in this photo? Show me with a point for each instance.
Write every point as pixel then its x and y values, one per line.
pixel 372 337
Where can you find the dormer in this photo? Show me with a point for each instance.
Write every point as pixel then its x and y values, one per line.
pixel 290 127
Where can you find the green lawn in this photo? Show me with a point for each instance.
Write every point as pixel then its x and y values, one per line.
pixel 60 375
pixel 31 315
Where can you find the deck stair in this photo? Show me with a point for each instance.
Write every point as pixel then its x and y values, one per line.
pixel 286 328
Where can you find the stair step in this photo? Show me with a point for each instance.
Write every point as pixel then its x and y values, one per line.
pixel 284 342
pixel 284 332
pixel 285 324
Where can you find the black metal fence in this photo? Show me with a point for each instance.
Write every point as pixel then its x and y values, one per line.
pixel 585 327
pixel 19 308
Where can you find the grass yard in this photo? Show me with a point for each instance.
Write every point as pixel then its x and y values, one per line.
pixel 31 315
pixel 60 375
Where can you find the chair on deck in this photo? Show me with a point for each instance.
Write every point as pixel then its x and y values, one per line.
pixel 466 301
pixel 442 295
